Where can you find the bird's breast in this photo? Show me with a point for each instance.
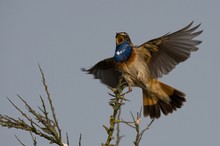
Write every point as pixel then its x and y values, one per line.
pixel 135 70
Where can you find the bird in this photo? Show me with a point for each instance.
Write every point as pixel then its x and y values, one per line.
pixel 142 65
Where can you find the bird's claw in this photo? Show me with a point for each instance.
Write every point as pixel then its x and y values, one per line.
pixel 129 90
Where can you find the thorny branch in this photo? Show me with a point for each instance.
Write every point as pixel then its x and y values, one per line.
pixel 35 122
pixel 116 104
pixel 41 123
pixel 135 124
pixel 118 136
pixel 115 119
pixel 32 137
pixel 19 141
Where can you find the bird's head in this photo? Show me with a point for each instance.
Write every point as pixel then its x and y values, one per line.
pixel 122 37
pixel 123 49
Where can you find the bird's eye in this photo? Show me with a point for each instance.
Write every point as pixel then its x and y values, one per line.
pixel 119 39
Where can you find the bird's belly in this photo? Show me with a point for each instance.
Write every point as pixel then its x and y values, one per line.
pixel 137 74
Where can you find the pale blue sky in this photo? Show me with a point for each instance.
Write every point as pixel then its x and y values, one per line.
pixel 64 36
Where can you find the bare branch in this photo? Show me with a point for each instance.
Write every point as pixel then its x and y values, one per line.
pixel 116 104
pixel 34 139
pixel 118 136
pixel 19 141
pixel 58 137
pixel 38 123
pixel 80 139
pixel 67 139
pixel 136 125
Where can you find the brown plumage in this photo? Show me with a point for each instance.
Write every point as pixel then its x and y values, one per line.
pixel 141 66
pixel 153 105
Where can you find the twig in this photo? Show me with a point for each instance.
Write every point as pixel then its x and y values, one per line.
pixel 67 139
pixel 80 139
pixel 57 136
pixel 116 104
pixel 34 139
pixel 147 127
pixel 19 141
pixel 136 125
pixel 118 136
pixel 38 123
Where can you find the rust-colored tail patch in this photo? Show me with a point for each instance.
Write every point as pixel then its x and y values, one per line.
pixel 153 104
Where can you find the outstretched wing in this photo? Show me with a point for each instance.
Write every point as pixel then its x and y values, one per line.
pixel 171 49
pixel 105 71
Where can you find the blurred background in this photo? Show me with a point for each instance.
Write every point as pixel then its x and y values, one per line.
pixel 64 36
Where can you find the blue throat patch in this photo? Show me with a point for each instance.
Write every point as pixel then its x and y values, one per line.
pixel 123 52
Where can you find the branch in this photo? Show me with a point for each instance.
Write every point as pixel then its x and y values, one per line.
pixel 19 141
pixel 35 122
pixel 80 139
pixel 136 125
pixel 33 138
pixel 118 136
pixel 58 134
pixel 116 104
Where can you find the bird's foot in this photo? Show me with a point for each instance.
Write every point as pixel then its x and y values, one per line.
pixel 129 90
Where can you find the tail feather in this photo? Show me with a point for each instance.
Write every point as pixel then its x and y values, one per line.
pixel 177 99
pixel 153 105
pixel 165 108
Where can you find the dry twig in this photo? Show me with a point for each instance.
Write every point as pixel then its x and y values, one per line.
pixel 116 104
pixel 135 124
pixel 35 122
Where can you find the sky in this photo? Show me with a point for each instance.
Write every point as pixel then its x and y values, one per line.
pixel 64 36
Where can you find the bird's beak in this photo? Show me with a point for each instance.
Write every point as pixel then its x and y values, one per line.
pixel 117 34
pixel 119 38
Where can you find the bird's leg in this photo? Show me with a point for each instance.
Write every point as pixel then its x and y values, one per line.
pixel 129 90
pixel 122 83
pixel 113 90
pixel 119 88
pixel 125 83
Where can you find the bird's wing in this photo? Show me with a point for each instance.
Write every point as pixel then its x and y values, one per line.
pixel 105 71
pixel 171 49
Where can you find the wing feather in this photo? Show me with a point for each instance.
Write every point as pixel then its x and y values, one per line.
pixel 105 71
pixel 171 49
